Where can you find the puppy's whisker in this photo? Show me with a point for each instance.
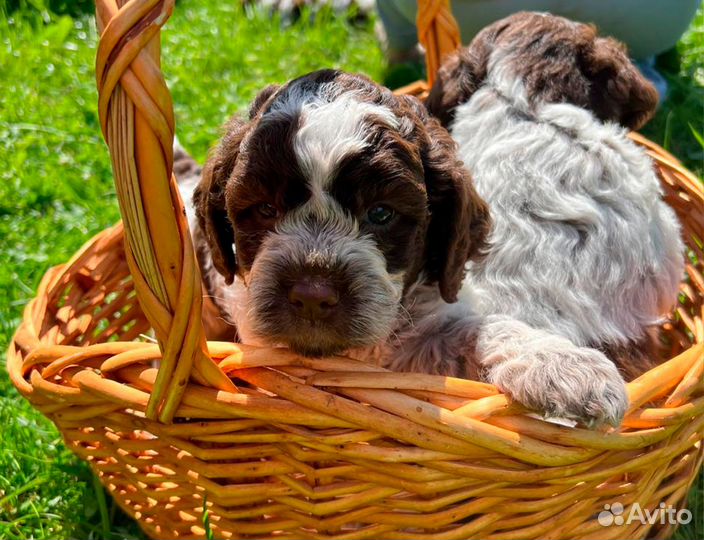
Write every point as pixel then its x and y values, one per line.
pixel 406 314
pixel 221 298
pixel 226 321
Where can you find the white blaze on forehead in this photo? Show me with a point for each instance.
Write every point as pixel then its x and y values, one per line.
pixel 329 131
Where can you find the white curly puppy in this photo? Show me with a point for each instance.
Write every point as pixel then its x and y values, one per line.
pixel 584 257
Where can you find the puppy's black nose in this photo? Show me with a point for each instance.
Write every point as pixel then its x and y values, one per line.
pixel 313 298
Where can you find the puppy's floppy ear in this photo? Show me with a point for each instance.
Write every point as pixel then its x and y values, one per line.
pixel 458 78
pixel 209 199
pixel 618 91
pixel 461 74
pixel 262 98
pixel 459 220
pixel 209 196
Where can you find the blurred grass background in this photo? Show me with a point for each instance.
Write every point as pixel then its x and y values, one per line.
pixel 56 187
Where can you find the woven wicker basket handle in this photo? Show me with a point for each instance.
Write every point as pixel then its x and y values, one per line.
pixel 136 116
pixel 438 32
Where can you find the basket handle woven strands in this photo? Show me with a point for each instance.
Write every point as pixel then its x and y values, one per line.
pixel 317 448
pixel 136 116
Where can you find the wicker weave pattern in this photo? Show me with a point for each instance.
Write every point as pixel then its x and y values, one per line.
pixel 316 448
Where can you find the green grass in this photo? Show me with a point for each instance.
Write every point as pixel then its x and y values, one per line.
pixel 56 188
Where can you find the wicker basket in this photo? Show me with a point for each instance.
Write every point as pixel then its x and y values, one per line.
pixel 316 448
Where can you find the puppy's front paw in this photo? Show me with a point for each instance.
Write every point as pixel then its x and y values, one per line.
pixel 564 381
pixel 436 346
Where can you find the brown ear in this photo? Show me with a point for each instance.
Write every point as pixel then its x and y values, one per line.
pixel 461 74
pixel 209 196
pixel 618 91
pixel 262 98
pixel 459 220
pixel 457 79
pixel 209 199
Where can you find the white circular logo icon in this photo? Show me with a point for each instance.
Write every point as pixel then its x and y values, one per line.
pixel 611 515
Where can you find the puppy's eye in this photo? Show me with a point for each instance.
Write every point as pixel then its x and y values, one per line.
pixel 380 215
pixel 267 211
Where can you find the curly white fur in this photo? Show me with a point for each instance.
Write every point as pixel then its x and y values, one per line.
pixel 583 252
pixel 582 242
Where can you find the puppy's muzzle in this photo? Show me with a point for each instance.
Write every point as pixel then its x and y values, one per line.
pixel 320 287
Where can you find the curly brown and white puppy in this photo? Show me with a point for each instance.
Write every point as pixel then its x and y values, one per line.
pixel 320 219
pixel 584 257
